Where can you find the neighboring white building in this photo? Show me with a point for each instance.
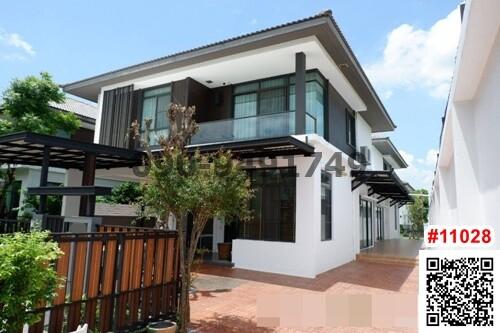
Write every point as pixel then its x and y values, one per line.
pixel 292 102
pixel 466 187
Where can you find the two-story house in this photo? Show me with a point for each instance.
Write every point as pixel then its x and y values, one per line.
pixel 292 102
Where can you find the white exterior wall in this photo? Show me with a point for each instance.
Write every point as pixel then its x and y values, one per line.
pixel 466 187
pixel 30 177
pixel 308 255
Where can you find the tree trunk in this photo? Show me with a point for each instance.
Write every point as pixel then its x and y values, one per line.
pixel 184 313
pixel 184 296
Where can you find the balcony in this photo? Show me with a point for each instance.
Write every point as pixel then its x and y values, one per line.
pixel 250 128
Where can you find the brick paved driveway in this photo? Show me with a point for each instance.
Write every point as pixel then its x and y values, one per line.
pixel 226 299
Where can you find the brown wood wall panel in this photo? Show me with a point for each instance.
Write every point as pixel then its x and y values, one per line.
pixel 126 266
pixel 148 276
pixel 62 267
pixel 77 284
pixel 128 247
pixel 106 310
pixel 135 282
pixel 93 282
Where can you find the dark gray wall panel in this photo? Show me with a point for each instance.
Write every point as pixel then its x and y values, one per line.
pixel 116 116
pixel 337 121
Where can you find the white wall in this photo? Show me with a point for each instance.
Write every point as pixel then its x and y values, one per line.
pixel 467 183
pixel 295 258
pixel 308 255
pixel 487 126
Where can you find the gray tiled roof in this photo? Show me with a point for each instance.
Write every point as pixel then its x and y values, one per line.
pixel 105 209
pixel 85 109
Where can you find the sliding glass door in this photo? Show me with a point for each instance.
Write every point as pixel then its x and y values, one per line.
pixel 365 224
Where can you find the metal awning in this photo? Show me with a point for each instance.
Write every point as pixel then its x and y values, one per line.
pixel 386 184
pixel 269 147
pixel 30 148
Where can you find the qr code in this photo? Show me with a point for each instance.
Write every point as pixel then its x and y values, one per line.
pixel 459 291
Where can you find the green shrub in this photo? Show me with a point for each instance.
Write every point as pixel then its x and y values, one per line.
pixel 27 277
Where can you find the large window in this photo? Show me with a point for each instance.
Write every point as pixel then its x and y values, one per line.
pixel 156 102
pixel 273 206
pixel 260 98
pixel 326 206
pixel 365 224
pixel 274 96
pixel 351 128
pixel 379 215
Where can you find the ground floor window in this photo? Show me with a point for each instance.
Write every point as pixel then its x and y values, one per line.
pixel 326 206
pixel 365 224
pixel 379 215
pixel 273 206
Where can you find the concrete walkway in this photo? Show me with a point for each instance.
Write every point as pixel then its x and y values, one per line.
pixel 403 248
pixel 236 300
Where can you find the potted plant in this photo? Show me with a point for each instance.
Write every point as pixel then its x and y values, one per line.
pixel 165 326
pixel 224 250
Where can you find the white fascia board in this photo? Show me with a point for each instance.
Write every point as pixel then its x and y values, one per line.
pixel 256 64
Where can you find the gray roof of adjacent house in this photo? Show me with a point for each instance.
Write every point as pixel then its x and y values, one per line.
pixel 86 111
pixel 80 108
pixel 385 146
pixel 106 209
pixel 322 26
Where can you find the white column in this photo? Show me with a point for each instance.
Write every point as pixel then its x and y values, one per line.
pixel 466 166
pixel 71 205
pixel 218 233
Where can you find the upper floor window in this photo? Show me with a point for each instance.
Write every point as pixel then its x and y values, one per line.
pixel 155 104
pixel 326 206
pixel 351 128
pixel 260 98
pixel 271 98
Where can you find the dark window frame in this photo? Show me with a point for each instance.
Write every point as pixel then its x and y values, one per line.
pixel 292 171
pixel 329 206
pixel 350 128
pixel 143 98
pixel 287 86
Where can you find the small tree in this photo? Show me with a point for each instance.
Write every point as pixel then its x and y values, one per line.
pixel 27 277
pixel 25 107
pixel 126 193
pixel 418 211
pixel 203 185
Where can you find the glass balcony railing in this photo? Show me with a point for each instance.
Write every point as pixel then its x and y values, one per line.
pixel 250 128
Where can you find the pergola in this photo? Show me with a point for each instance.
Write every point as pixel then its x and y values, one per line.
pixel 50 151
pixel 386 184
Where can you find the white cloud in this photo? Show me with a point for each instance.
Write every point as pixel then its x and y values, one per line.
pixel 254 21
pixel 420 171
pixel 431 157
pixel 386 94
pixel 14 47
pixel 418 58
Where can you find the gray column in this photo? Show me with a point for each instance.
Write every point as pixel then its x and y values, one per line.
pixel 300 93
pixel 44 173
pixel 87 202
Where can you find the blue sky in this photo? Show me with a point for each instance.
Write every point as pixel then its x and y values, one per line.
pixel 407 47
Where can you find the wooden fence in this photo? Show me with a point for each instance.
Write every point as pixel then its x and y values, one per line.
pixel 8 226
pixel 115 279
